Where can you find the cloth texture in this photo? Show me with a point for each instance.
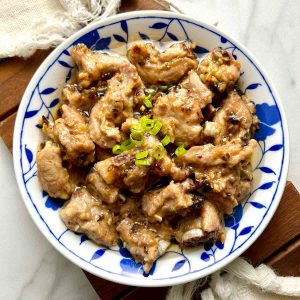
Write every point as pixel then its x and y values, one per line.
pixel 27 25
pixel 240 280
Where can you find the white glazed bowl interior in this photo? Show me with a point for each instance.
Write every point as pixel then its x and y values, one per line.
pixel 270 161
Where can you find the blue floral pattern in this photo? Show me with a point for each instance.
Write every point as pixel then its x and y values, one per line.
pixel 44 99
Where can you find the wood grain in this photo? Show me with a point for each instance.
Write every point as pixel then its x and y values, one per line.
pixel 284 227
pixel 108 290
pixel 286 262
pixel 7 130
pixel 15 74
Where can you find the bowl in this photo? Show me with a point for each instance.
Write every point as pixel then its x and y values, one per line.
pixel 270 161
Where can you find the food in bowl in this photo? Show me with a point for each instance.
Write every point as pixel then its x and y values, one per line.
pixel 150 149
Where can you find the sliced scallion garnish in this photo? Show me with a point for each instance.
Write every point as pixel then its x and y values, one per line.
pixel 156 128
pixel 166 140
pixel 142 154
pixel 126 145
pixel 117 149
pixel 180 151
pixel 159 152
pixel 142 162
pixel 136 138
pixel 147 101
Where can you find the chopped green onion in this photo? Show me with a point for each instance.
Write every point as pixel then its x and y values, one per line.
pixel 136 128
pixel 141 155
pixel 126 145
pixel 142 162
pixel 159 152
pixel 166 140
pixel 156 128
pixel 165 88
pixel 117 149
pixel 151 91
pixel 180 150
pixel 136 138
pixel 147 101
pixel 148 124
pixel 143 119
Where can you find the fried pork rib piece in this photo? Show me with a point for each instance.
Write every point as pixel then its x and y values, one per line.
pixel 54 178
pixel 94 65
pixel 172 199
pixel 223 172
pixel 165 67
pixel 114 108
pixel 107 193
pixel 219 70
pixel 75 96
pixel 84 214
pixel 71 132
pixel 180 110
pixel 229 154
pixel 225 187
pixel 122 172
pixel 199 227
pixel 235 119
pixel 145 242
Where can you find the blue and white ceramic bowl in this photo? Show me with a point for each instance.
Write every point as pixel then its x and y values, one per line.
pixel 270 162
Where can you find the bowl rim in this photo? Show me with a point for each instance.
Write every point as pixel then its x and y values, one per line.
pixel 147 282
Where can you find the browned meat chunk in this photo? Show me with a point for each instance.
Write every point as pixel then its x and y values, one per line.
pixel 93 65
pixel 84 214
pixel 209 155
pixel 114 108
pixel 54 178
pixel 100 189
pixel 167 67
pixel 200 227
pixel 222 173
pixel 172 199
pixel 122 172
pixel 75 96
pixel 180 110
pixel 224 186
pixel 219 70
pixel 144 241
pixel 235 119
pixel 71 132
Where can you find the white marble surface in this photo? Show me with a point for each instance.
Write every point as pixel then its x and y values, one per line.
pixel 30 267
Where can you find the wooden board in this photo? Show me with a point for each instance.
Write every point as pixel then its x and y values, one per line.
pixel 278 246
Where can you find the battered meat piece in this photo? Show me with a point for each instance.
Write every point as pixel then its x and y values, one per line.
pixel 180 110
pixel 84 214
pixel 221 172
pixel 167 67
pixel 93 65
pixel 224 186
pixel 53 177
pixel 75 96
pixel 219 70
pixel 229 154
pixel 122 172
pixel 71 132
pixel 100 189
pixel 115 107
pixel 235 119
pixel 172 199
pixel 201 226
pixel 145 242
